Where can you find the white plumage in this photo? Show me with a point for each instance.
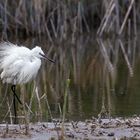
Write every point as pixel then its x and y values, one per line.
pixel 19 64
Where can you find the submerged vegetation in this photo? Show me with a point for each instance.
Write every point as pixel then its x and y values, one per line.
pixel 61 18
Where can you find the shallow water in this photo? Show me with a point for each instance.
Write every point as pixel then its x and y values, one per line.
pixel 104 76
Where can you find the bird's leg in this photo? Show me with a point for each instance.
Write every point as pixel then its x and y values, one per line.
pixel 14 101
pixel 13 88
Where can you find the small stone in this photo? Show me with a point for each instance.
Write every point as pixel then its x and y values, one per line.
pixel 87 121
pixel 93 126
pixel 100 133
pixel 111 134
pixel 70 135
pixel 136 135
pixel 44 126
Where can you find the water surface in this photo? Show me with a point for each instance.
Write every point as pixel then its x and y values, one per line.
pixel 104 79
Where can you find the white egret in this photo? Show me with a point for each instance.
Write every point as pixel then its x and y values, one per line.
pixel 19 65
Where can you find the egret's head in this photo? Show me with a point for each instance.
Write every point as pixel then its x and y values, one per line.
pixel 37 51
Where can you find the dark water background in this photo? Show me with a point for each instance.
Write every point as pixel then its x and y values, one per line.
pixel 104 78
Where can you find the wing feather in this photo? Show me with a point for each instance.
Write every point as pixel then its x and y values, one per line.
pixel 9 53
pixel 17 66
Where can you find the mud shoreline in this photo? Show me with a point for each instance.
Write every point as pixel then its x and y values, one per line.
pixel 103 129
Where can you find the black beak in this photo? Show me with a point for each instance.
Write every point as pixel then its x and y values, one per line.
pixel 45 57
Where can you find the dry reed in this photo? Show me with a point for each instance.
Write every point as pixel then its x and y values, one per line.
pixel 60 18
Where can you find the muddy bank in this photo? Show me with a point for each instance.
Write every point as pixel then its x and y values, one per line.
pixel 117 128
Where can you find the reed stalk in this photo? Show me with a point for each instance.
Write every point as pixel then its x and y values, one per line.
pixel 126 59
pixel 6 98
pixel 126 16
pixel 106 17
pixel 59 19
pixel 117 16
pixel 9 111
pixel 64 106
pixel 26 114
pixel 105 55
pixel 135 18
